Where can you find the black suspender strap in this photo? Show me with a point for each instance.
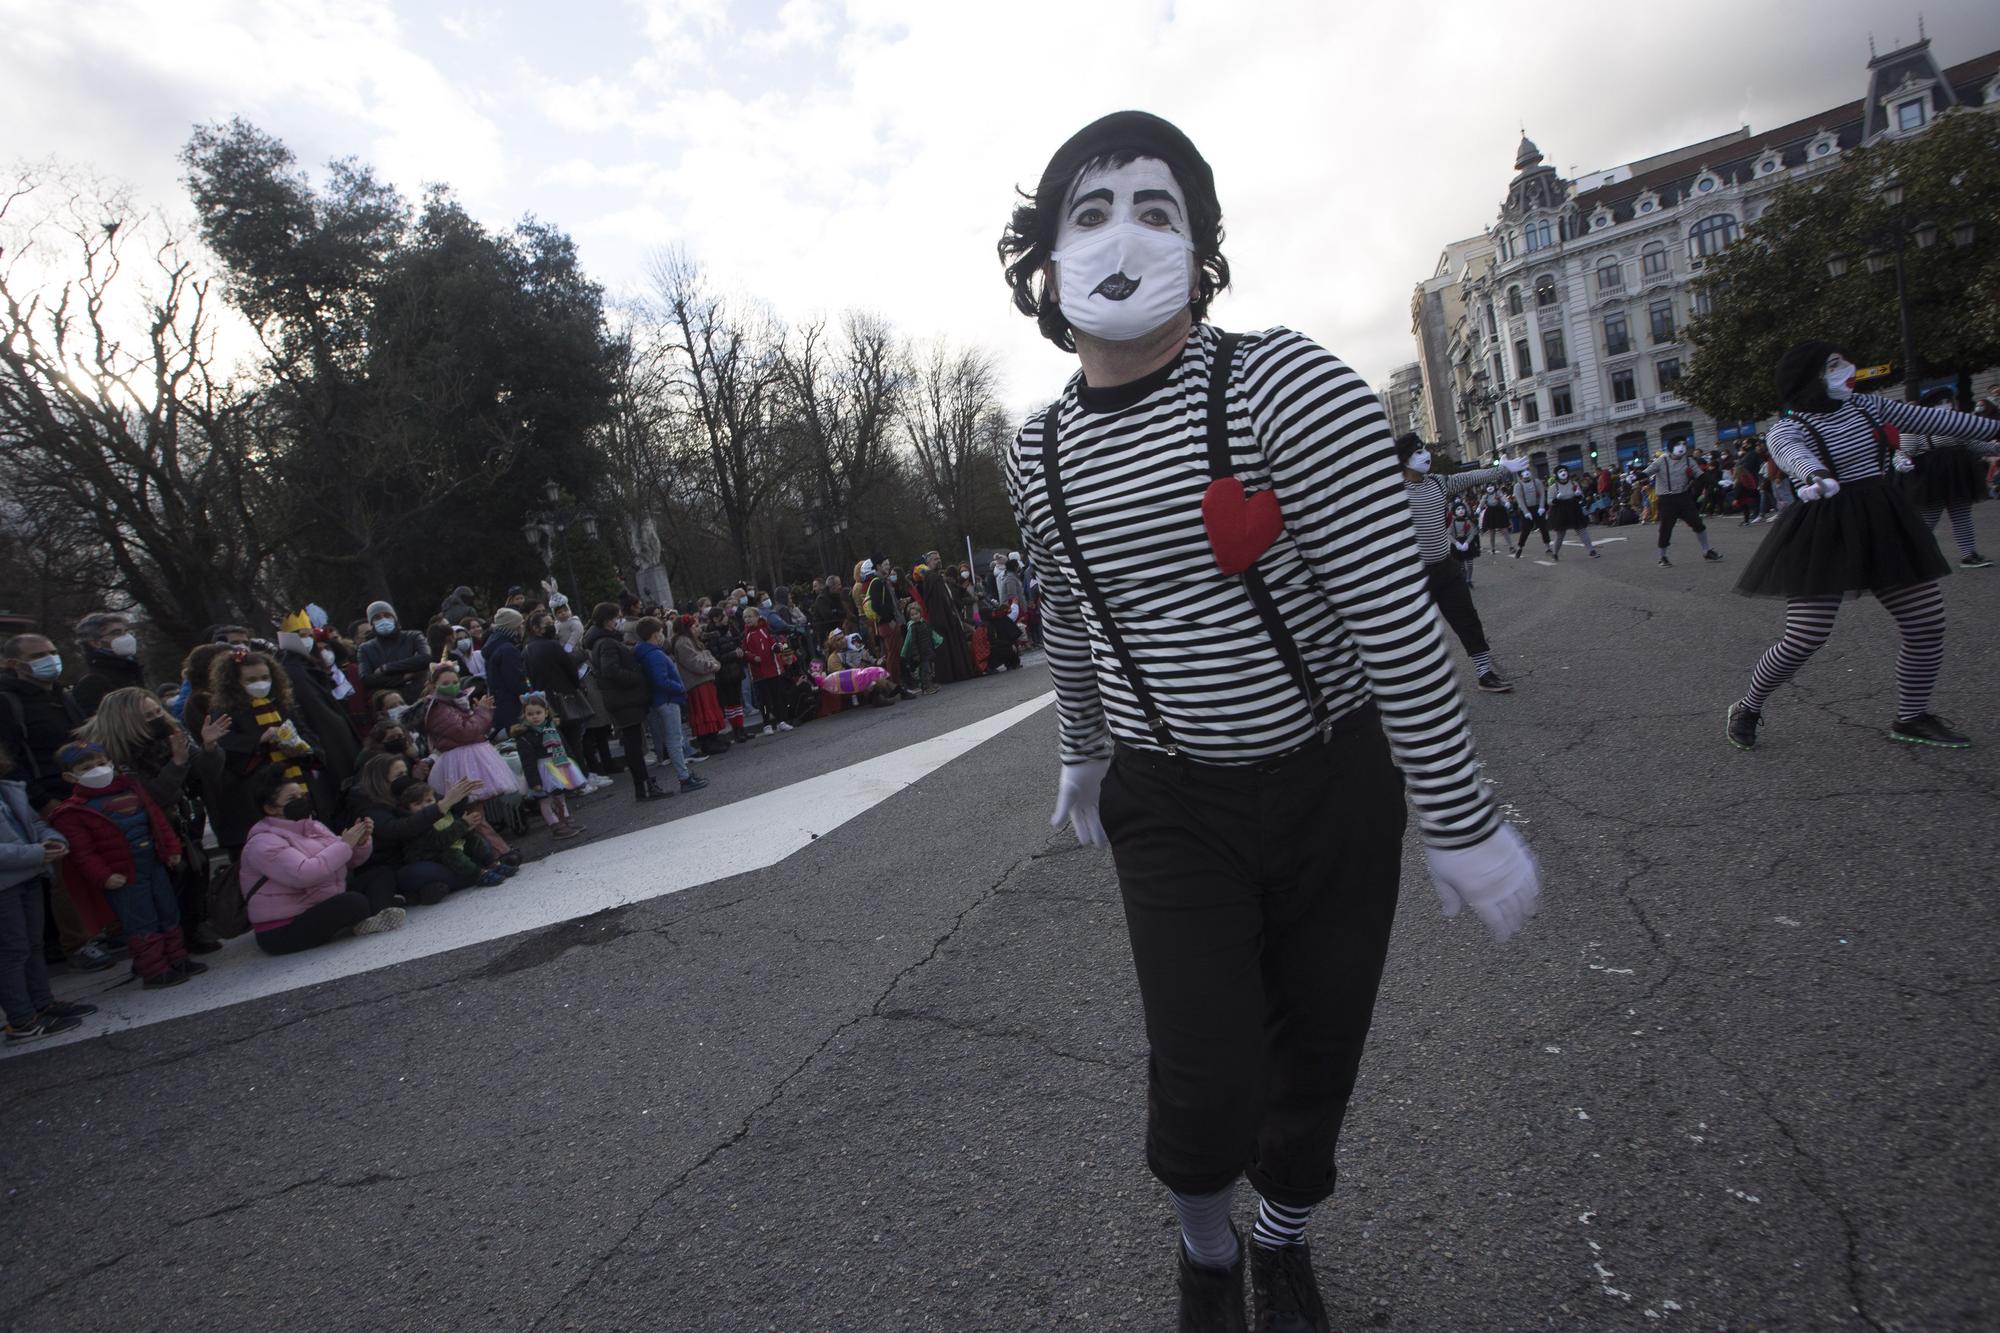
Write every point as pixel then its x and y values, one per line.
pixel 1220 465
pixel 1059 515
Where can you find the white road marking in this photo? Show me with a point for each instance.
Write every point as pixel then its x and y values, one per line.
pixel 633 867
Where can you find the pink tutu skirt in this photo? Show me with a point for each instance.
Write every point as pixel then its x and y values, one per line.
pixel 855 680
pixel 482 763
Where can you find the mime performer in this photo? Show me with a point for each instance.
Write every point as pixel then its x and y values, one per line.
pixel 1235 619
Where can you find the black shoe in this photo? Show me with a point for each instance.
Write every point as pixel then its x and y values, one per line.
pixel 92 957
pixel 693 783
pixel 433 893
pixel 650 792
pixel 1284 1294
pixel 1518 551
pixel 1928 729
pixel 188 967
pixel 1492 684
pixel 49 1027
pixel 1211 1298
pixel 173 976
pixel 1974 560
pixel 1711 555
pixel 1741 727
pixel 203 939
pixel 1666 563
pixel 57 1009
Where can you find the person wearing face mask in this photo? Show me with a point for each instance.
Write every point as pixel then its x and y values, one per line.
pixel 293 872
pixel 456 729
pixel 251 693
pixel 123 849
pixel 314 701
pixel 1450 581
pixel 1464 535
pixel 627 693
pixel 1678 482
pixel 110 658
pixel 506 667
pixel 37 715
pixel 1257 959
pixel 1856 531
pixel 1947 475
pixel 1566 513
pixel 1531 500
pixel 393 658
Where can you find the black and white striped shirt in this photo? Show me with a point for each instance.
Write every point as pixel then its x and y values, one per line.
pixel 1344 574
pixel 1430 508
pixel 1852 441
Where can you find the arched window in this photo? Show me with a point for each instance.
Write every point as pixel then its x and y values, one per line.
pixel 1513 300
pixel 1711 236
pixel 1545 290
pixel 1610 276
pixel 1653 261
pixel 1537 236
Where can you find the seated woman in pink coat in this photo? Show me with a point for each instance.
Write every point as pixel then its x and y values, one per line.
pixel 293 872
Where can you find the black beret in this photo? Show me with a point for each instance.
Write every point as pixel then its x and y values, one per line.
pixel 1800 370
pixel 1136 132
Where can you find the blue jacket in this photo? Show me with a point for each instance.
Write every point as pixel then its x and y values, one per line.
pixel 22 833
pixel 506 677
pixel 661 672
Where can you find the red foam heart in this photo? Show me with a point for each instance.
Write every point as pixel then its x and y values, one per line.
pixel 1240 527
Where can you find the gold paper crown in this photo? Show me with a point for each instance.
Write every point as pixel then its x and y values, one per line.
pixel 298 622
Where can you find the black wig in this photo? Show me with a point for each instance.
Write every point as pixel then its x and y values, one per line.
pixel 1114 140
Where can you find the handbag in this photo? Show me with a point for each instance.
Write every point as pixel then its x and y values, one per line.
pixel 228 904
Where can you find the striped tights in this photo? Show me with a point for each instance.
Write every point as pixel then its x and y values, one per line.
pixel 1919 613
pixel 1961 524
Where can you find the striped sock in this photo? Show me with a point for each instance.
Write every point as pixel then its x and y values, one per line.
pixel 734 716
pixel 1482 663
pixel 1279 1226
pixel 1205 1229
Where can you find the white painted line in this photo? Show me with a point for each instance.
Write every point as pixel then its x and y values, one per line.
pixel 1606 541
pixel 633 867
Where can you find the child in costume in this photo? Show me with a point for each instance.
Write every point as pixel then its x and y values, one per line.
pixel 449 842
pixel 545 764
pixel 122 845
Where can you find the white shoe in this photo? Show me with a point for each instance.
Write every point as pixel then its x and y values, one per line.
pixel 596 782
pixel 784 726
pixel 389 918
pixel 769 730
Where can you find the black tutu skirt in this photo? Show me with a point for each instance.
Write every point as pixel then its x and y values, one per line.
pixel 1494 520
pixel 1867 538
pixel 1946 477
pixel 1567 513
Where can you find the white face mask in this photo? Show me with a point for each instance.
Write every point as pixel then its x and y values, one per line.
pixel 1124 268
pixel 257 688
pixel 1839 379
pixel 96 777
pixel 125 645
pixel 1420 461
pixel 1680 451
pixel 1562 474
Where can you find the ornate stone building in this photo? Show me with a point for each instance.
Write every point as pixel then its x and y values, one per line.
pixel 1558 331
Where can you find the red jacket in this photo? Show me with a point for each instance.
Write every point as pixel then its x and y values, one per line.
pixel 762 651
pixel 97 850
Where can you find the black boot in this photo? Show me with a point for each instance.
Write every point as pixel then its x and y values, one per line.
pixel 1284 1294
pixel 1212 1298
pixel 650 792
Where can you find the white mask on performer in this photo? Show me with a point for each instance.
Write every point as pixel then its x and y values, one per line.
pixel 1124 258
pixel 1420 461
pixel 1680 451
pixel 1839 379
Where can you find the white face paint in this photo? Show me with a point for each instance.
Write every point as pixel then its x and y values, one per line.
pixel 1839 378
pixel 1420 461
pixel 1680 451
pixel 1124 257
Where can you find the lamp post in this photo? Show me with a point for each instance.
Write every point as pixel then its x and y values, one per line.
pixel 548 531
pixel 1888 246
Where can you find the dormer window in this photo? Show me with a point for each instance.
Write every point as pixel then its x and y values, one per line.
pixel 1767 165
pixel 1911 115
pixel 1824 146
pixel 1706 183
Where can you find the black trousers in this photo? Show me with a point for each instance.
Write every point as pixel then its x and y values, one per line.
pixel 1678 507
pixel 1453 595
pixel 1539 522
pixel 319 924
pixel 1259 901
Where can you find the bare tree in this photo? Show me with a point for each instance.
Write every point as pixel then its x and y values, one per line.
pixel 114 428
pixel 956 429
pixel 728 377
pixel 844 393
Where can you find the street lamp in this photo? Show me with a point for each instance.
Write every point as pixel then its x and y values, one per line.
pixel 1889 243
pixel 548 531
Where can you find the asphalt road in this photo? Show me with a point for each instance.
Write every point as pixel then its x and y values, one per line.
pixel 1737 1075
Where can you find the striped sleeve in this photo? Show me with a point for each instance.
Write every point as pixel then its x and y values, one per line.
pixel 1334 468
pixel 1912 419
pixel 1791 447
pixel 1460 482
pixel 1065 639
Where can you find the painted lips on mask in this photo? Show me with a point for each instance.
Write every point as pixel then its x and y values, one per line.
pixel 1117 287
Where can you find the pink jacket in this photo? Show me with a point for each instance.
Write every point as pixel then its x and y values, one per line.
pixel 301 861
pixel 449 724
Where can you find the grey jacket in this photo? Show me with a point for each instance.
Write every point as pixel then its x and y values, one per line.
pixel 1673 475
pixel 1530 493
pixel 22 833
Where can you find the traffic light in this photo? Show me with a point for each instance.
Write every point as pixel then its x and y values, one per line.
pixel 1593 454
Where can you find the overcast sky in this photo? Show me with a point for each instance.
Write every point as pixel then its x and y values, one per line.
pixel 822 155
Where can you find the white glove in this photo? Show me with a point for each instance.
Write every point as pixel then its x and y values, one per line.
pixel 1819 488
pixel 1904 463
pixel 1515 465
pixel 1498 879
pixel 1076 801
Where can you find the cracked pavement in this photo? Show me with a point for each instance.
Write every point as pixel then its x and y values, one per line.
pixel 1736 1076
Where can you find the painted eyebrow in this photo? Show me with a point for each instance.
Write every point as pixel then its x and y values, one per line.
pixel 1149 196
pixel 1101 195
